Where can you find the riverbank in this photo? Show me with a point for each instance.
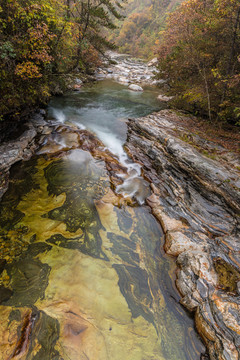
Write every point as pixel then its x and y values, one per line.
pixel 194 173
pixel 196 199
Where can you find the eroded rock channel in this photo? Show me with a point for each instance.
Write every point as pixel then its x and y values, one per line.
pixel 83 271
pixel 197 202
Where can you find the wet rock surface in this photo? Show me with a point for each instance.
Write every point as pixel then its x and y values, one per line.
pixel 21 148
pixel 197 201
pixel 135 87
pixel 90 284
pixel 80 220
pixel 127 71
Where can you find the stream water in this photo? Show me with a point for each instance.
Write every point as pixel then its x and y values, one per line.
pixel 104 109
pixel 83 274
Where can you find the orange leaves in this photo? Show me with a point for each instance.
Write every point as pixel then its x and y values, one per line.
pixel 41 56
pixel 40 31
pixel 27 70
pixel 41 39
pixel 38 44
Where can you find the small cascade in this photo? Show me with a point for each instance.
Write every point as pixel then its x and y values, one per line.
pixel 104 110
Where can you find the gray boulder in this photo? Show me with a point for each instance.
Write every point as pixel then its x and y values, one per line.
pixel 135 87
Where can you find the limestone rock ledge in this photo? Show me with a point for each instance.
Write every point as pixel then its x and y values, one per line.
pixel 21 148
pixel 24 146
pixel 197 201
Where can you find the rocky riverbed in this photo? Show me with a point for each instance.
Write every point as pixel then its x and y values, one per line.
pixel 128 71
pixel 196 199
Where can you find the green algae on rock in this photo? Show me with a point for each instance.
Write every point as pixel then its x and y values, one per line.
pixel 21 183
pixel 29 279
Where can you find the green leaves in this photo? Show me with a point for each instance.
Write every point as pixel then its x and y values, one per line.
pixel 7 51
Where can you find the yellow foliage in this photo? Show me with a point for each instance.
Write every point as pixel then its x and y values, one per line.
pixel 27 70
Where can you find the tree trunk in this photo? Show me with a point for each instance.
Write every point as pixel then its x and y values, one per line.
pixel 232 53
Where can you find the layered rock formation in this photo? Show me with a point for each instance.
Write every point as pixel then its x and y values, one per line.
pixel 86 284
pixel 197 202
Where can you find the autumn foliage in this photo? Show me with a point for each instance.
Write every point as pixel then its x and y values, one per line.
pixel 199 55
pixel 43 41
pixel 145 20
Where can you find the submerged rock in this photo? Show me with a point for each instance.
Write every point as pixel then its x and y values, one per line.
pixel 164 98
pixel 29 331
pixel 87 285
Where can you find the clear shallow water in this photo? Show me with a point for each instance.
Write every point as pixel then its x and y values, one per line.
pixel 104 109
pixel 83 274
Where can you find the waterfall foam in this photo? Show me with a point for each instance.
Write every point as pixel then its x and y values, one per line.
pixel 59 115
pixel 103 109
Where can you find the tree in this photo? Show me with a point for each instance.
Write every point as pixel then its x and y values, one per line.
pixel 43 40
pixel 199 55
pixel 145 20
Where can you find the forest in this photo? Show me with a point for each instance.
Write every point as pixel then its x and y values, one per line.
pixel 199 54
pixel 43 42
pixel 141 30
pixel 197 43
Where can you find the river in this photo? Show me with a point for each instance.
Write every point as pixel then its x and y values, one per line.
pixel 84 274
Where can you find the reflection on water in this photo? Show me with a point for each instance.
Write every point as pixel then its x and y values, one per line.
pixel 81 277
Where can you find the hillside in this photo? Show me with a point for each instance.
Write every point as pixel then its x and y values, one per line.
pixel 144 22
